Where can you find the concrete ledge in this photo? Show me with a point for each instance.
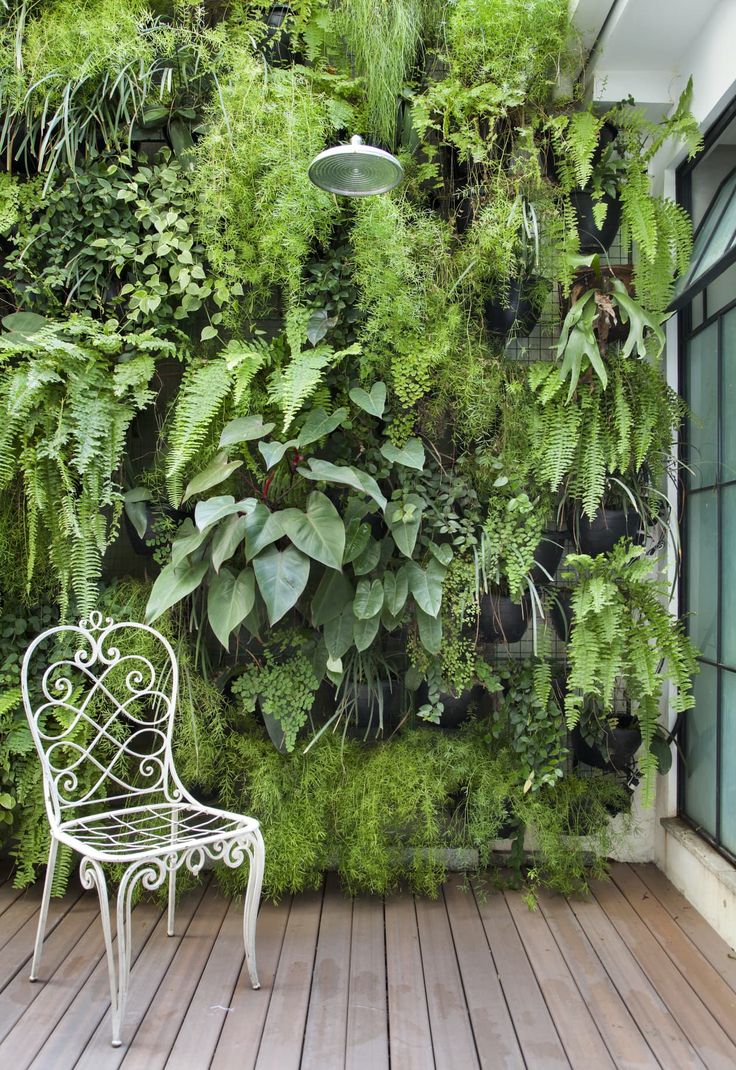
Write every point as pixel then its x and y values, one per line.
pixel 703 876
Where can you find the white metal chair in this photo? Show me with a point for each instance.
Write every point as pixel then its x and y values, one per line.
pixel 115 797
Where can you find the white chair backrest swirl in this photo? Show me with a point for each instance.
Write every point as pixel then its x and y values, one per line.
pixel 101 719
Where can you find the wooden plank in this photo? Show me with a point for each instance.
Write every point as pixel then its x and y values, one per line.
pixel 628 1047
pixel 19 949
pixel 8 894
pixel 706 939
pixel 664 1036
pixel 697 971
pixel 367 1026
pixel 410 1037
pixel 211 1003
pixel 18 913
pixel 495 1038
pixel 538 1038
pixel 705 1034
pixel 575 1024
pixel 17 996
pixel 327 1016
pixel 453 1043
pixel 147 972
pixel 241 1032
pixel 283 1029
pixel 76 1015
pixel 156 1035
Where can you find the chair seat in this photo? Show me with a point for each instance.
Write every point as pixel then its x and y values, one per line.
pixel 139 832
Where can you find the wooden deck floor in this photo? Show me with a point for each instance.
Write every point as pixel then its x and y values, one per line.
pixel 632 977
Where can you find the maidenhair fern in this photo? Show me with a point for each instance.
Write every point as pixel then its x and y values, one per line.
pixel 69 392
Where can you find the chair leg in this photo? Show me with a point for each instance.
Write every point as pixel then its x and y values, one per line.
pixel 252 902
pixel 172 903
pixel 92 876
pixel 53 849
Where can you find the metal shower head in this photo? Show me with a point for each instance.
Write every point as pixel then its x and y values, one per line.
pixel 355 170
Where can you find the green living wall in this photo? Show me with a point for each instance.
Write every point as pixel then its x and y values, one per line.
pixel 328 436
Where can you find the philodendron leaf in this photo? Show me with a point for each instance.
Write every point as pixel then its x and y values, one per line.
pixel 319 532
pixel 244 429
pixel 173 584
pixel 210 476
pixel 282 575
pixel 262 527
pixel 404 519
pixel 367 560
pixel 187 539
pixel 229 601
pixel 430 631
pixel 442 552
pixel 357 534
pixel 274 451
pixel 333 593
pixel 410 455
pixel 426 585
pixel 396 590
pixel 365 631
pixel 228 538
pixel 318 424
pixel 210 511
pixel 373 402
pixel 368 600
pixel 343 474
pixel 136 509
pixel 338 633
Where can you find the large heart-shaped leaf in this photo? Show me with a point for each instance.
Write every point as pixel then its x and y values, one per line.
pixel 333 593
pixel 318 424
pixel 188 539
pixel 274 451
pixel 403 519
pixel 396 591
pixel 228 538
pixel 430 631
pixel 410 455
pixel 426 585
pixel 367 560
pixel 357 534
pixel 344 474
pixel 373 402
pixel 368 599
pixel 365 631
pixel 338 633
pixel 137 509
pixel 210 476
pixel 229 601
pixel 244 429
pixel 173 584
pixel 210 511
pixel 282 576
pixel 262 527
pixel 319 532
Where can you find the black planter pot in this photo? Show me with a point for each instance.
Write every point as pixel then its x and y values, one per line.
pixel 502 620
pixel 615 753
pixel 521 311
pixel 560 611
pixel 144 546
pixel 547 557
pixel 608 526
pixel 595 239
pixel 276 45
pixel 456 707
pixel 364 716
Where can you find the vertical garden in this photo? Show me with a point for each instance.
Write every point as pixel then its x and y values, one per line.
pixel 391 471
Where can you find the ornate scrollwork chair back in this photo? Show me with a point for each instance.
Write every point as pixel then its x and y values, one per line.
pixel 102 721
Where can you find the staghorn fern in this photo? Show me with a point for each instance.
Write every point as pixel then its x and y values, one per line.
pixel 69 392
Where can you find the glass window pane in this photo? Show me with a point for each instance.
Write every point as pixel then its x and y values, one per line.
pixel 728 400
pixel 701 393
pixel 722 291
pixel 728 760
pixel 701 549
pixel 700 751
pixel 728 577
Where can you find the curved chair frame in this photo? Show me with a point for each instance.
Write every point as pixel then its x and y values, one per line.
pixel 136 812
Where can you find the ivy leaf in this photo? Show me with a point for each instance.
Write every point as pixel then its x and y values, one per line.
pixel 173 584
pixel 274 451
pixel 228 538
pixel 318 424
pixel 365 631
pixel 262 527
pixel 244 429
pixel 404 519
pixel 338 634
pixel 319 532
pixel 210 476
pixel 410 455
pixel 282 575
pixel 430 631
pixel 346 475
pixel 396 591
pixel 368 600
pixel 426 586
pixel 229 601
pixel 333 593
pixel 210 511
pixel 374 402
